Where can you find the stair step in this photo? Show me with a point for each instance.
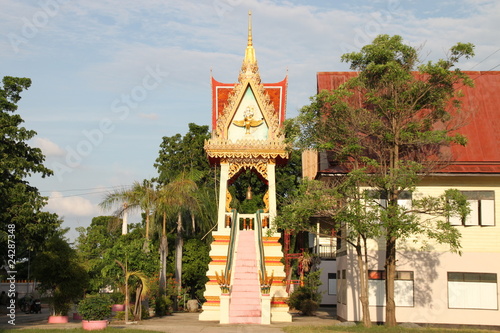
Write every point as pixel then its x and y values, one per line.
pixel 245 306
pixel 245 313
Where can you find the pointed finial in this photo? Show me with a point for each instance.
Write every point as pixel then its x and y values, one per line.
pixel 250 51
pixel 250 28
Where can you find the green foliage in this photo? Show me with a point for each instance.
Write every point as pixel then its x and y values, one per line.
pixel 59 270
pixel 307 298
pixel 163 305
pixel 117 297
pixel 95 307
pixel 386 129
pixel 120 315
pixel 21 204
pixel 183 154
pixel 195 262
pixel 99 249
pixel 92 243
pixel 129 248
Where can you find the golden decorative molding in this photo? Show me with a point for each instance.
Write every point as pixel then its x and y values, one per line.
pixel 246 149
pixel 258 164
pixel 229 198
pixel 266 202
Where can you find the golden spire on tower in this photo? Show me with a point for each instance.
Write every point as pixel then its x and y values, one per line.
pixel 250 51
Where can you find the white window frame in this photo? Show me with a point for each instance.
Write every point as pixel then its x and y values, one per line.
pixel 332 283
pixel 403 289
pixel 472 290
pixel 482 205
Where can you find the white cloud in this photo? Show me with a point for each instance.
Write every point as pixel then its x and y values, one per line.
pixel 48 147
pixel 70 205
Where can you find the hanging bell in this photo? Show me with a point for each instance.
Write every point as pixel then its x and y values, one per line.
pixel 249 193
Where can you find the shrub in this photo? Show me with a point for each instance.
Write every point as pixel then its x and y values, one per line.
pixel 307 298
pixel 163 306
pixel 95 307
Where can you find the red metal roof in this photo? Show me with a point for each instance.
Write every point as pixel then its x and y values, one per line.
pixel 221 92
pixel 481 155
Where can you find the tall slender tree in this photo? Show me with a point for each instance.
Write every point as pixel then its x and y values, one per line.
pixel 21 204
pixel 393 122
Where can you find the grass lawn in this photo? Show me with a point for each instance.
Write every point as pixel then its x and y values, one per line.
pixel 77 330
pixel 377 329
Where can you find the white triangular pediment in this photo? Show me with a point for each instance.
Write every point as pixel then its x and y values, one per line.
pixel 248 121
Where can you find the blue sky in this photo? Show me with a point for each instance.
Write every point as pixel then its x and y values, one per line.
pixel 112 77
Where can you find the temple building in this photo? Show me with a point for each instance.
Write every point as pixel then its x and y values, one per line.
pixel 246 275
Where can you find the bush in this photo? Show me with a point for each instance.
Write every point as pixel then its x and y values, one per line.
pixel 307 298
pixel 95 307
pixel 163 306
pixel 117 297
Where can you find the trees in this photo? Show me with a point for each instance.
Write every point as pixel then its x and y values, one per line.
pixel 21 203
pixel 182 199
pixel 92 245
pixel 184 154
pixel 187 183
pixel 141 196
pixel 392 123
pixel 59 270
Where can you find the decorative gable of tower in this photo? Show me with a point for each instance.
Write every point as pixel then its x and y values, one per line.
pixel 247 117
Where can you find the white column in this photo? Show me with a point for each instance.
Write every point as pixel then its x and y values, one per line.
pixel 221 217
pixel 265 317
pixel 125 220
pixel 271 178
pixel 224 308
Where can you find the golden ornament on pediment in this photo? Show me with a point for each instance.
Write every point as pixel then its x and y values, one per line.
pixel 248 121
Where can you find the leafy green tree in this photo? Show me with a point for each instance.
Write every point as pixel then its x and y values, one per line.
pixel 183 154
pixel 392 122
pixel 21 204
pixel 92 244
pixel 195 261
pixel 59 270
pixel 188 186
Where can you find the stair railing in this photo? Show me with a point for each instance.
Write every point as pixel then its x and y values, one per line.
pixel 231 247
pixel 265 283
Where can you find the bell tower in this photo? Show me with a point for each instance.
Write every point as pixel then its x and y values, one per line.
pixel 246 276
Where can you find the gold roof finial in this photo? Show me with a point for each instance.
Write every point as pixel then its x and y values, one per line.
pixel 250 51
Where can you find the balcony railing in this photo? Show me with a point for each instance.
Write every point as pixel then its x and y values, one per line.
pixel 326 251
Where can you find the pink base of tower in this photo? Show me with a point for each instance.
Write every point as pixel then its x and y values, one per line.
pixel 245 306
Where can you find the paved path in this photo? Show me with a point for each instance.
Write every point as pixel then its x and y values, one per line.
pixel 179 322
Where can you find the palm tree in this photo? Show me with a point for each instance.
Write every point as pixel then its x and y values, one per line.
pixel 179 197
pixel 139 197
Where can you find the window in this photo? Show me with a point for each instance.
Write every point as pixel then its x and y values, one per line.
pixel 403 288
pixel 404 198
pixel 332 284
pixel 482 205
pixel 472 290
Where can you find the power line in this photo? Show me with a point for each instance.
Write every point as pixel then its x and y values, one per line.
pixel 85 189
pixel 101 190
pixel 479 63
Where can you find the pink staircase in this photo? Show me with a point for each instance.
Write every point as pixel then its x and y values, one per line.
pixel 245 306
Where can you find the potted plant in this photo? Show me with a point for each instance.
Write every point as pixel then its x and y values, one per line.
pixel 61 275
pixel 95 310
pixel 118 301
pixel 60 305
